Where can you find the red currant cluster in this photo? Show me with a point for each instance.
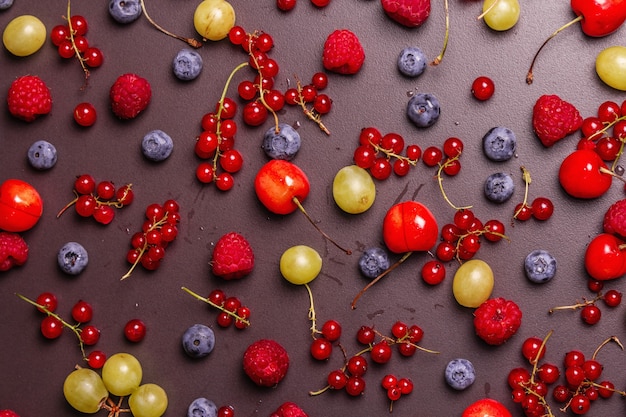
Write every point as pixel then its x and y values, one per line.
pixel 590 312
pixel 396 388
pixel 52 325
pixel 322 345
pixel 309 95
pixel 382 154
pixel 158 230
pixel 461 239
pixel 606 131
pixel 287 5
pixel 541 208
pixel 231 309
pixel 98 199
pixel 71 41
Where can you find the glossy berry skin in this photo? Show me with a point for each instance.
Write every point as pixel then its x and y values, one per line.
pixel 423 109
pixel 21 206
pixel 198 341
pixel 540 266
pixel 591 314
pixel 409 227
pixel 42 155
pixel 412 62
pixel 580 175
pixel 483 88
pixel 321 349
pixel 85 114
pixel 278 183
pixel 331 330
pixel 605 259
pixel 135 330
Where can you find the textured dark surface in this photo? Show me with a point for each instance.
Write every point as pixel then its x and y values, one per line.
pixel 33 369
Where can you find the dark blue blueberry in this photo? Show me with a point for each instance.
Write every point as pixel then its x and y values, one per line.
pixel 282 145
pixel 460 374
pixel 373 262
pixel 157 145
pixel 499 187
pixel 198 341
pixel 411 61
pixel 499 144
pixel 5 4
pixel 125 11
pixel 540 266
pixel 42 155
pixel 72 258
pixel 423 109
pixel 187 64
pixel 201 407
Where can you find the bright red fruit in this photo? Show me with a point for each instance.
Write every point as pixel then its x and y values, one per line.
pixel 410 227
pixel 605 257
pixel 600 17
pixel 583 174
pixel 266 362
pixel 21 206
pixel 486 407
pixel 278 183
pixel 409 13
pixel 233 257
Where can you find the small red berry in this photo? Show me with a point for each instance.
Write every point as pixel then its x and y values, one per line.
pixel 135 330
pixel 483 88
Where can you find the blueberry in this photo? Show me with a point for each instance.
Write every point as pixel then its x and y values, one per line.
pixel 42 155
pixel 157 145
pixel 125 11
pixel 499 187
pixel 499 144
pixel 373 262
pixel 423 109
pixel 187 64
pixel 412 61
pixel 5 4
pixel 282 145
pixel 72 258
pixel 460 374
pixel 198 341
pixel 540 266
pixel 201 407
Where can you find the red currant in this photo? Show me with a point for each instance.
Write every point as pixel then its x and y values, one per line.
pixel 254 113
pixel 591 314
pixel 96 359
pixel 432 156
pixel 331 330
pixel 93 57
pixel 542 208
pixel 47 300
pixel 51 327
pixel 357 365
pixel 319 80
pixel 381 169
pixel 337 379
pixel 355 386
pixel 370 136
pixel 433 272
pixel 90 335
pixel 365 335
pixel 231 161
pixel 321 349
pixel 452 147
pixel 483 88
pixel 82 312
pixel 59 33
pixel 78 24
pixel 85 114
pixel 612 298
pixel 381 352
pixel 532 349
pixel 285 5
pixel 135 330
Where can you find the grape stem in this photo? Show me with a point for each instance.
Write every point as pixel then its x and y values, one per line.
pixel 189 41
pixel 379 277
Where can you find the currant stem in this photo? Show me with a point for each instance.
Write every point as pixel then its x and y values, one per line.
pixel 212 304
pixel 76 51
pixel 379 277
pixel 157 225
pixel 301 207
pixel 312 317
pixel 440 182
pixel 311 114
pixel 605 342
pixel 527 181
pixel 529 75
pixel 189 41
pixel 439 57
pixel 576 306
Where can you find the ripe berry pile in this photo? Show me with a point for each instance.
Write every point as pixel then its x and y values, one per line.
pixel 605 132
pixel 382 154
pixel 158 230
pixel 231 309
pixel 98 199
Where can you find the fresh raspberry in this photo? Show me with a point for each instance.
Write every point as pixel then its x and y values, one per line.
pixel 343 52
pixel 289 409
pixel 410 13
pixel 496 320
pixel 130 95
pixel 233 257
pixel 29 97
pixel 265 362
pixel 615 219
pixel 554 118
pixel 13 250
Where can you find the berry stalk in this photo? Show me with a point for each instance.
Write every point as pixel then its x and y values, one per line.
pixel 212 304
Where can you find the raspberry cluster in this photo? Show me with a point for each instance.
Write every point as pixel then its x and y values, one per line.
pixel 605 132
pixel 98 199
pixel 158 230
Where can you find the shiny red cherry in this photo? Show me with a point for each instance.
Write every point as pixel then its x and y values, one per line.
pixel 605 257
pixel 410 227
pixel 278 183
pixel 583 174
pixel 21 206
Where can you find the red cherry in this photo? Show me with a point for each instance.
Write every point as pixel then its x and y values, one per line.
pixel 605 257
pixel 278 183
pixel 21 206
pixel 409 227
pixel 583 174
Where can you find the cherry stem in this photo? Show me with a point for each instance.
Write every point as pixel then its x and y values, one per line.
pixel 440 182
pixel 219 307
pixel 379 277
pixel 527 181
pixel 301 207
pixel 480 16
pixel 189 41
pixel 73 327
pixel 439 57
pixel 529 76
pixel 310 113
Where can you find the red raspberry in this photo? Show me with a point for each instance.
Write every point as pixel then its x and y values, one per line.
pixel 266 362
pixel 615 219
pixel 410 13
pixel 130 95
pixel 232 257
pixel 343 52
pixel 29 97
pixel 13 250
pixel 289 409
pixel 496 320
pixel 554 118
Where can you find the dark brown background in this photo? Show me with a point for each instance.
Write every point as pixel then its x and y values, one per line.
pixel 33 369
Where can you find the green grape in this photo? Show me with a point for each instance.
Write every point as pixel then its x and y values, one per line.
pixel 300 264
pixel 354 190
pixel 122 374
pixel 149 400
pixel 24 35
pixel 503 15
pixel 472 283
pixel 84 390
pixel 213 19
pixel 611 67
